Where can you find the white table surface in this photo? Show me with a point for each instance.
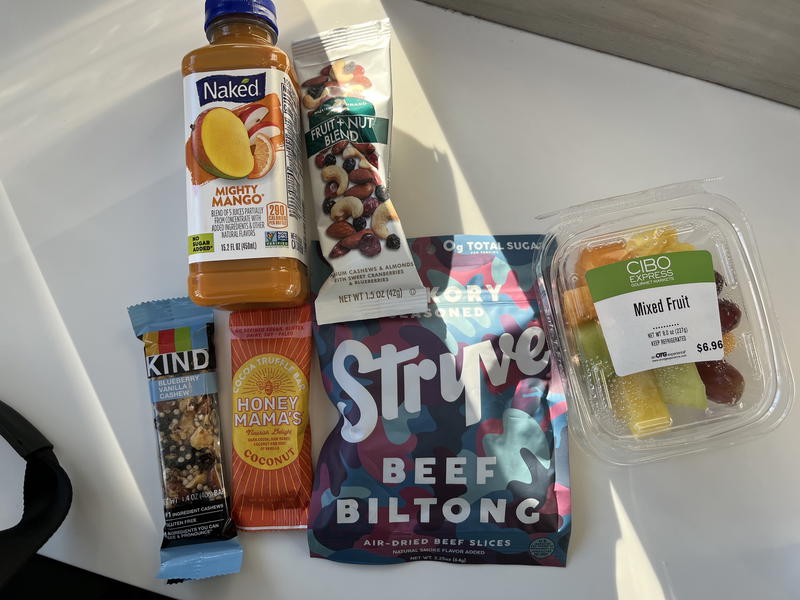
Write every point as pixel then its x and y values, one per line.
pixel 492 127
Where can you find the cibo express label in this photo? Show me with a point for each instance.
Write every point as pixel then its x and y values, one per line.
pixel 244 177
pixel 658 310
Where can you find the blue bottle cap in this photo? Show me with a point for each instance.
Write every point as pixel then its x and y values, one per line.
pixel 262 9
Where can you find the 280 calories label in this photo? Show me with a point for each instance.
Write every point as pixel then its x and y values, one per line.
pixel 244 178
pixel 658 310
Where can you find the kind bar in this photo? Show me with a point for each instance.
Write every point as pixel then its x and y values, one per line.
pixel 347 120
pixel 452 439
pixel 199 535
pixel 270 354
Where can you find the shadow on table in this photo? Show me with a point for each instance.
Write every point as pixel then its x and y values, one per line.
pixel 43 577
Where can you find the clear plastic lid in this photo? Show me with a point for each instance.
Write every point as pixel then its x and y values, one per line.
pixel 662 329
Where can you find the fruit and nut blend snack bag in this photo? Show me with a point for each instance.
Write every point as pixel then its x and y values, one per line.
pixel 347 120
pixel 452 439
pixel 179 361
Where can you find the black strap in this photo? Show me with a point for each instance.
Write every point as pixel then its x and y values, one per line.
pixel 47 493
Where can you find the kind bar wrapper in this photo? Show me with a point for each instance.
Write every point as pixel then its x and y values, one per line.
pixel 270 354
pixel 347 121
pixel 452 439
pixel 199 534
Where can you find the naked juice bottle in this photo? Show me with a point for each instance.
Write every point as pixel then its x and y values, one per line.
pixel 247 237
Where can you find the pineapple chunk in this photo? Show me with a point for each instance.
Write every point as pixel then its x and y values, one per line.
pixel 637 402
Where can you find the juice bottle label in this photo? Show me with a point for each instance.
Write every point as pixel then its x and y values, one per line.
pixel 243 171
pixel 658 310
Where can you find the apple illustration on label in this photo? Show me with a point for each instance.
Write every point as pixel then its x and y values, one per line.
pixel 252 114
pixel 266 129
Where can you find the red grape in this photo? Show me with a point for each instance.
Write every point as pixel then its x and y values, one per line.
pixel 724 383
pixel 729 315
pixel 719 280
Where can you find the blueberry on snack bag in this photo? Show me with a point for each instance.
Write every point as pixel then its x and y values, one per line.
pixel 451 443
pixel 180 365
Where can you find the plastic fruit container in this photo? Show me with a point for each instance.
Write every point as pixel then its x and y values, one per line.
pixel 660 323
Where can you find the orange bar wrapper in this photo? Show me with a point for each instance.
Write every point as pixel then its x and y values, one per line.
pixel 272 475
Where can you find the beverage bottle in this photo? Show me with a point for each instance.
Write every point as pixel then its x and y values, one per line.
pixel 246 225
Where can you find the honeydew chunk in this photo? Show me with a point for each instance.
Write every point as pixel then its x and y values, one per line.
pixel 680 385
pixel 593 348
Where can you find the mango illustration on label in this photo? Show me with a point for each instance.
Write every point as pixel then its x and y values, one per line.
pixel 220 144
pixel 270 355
pixel 238 143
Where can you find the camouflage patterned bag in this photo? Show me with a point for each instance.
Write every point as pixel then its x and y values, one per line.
pixel 452 439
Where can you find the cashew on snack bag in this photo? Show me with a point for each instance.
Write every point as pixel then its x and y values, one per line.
pixel 346 94
pixel 451 443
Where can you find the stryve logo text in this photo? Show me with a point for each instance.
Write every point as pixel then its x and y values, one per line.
pixel 527 351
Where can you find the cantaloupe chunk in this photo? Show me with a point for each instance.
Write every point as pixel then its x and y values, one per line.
pixel 599 256
pixel 221 145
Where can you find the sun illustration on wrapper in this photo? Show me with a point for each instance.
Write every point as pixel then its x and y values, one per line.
pixel 268 380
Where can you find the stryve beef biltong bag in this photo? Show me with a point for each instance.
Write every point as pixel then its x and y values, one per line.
pixel 452 439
